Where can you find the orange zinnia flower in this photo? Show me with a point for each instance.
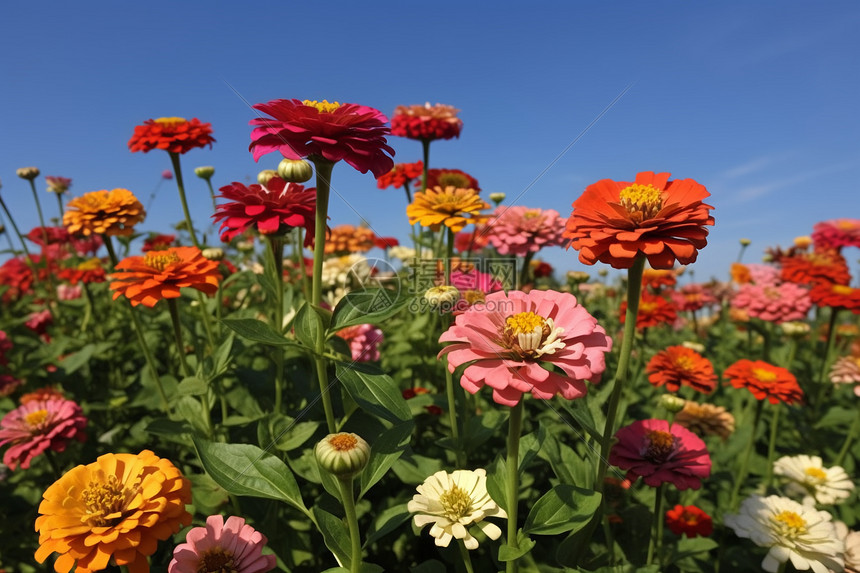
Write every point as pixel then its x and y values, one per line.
pixel 681 366
pixel 614 221
pixel 836 296
pixel 160 274
pixel 659 278
pixel 447 206
pixel 654 310
pixel 111 213
pixel 172 134
pixel 117 508
pixel 764 381
pixel 817 266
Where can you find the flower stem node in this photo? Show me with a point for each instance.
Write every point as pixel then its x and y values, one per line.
pixel 295 170
pixel 343 454
pixel 28 173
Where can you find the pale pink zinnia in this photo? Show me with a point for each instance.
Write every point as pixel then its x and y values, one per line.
pixel 763 275
pixel 846 370
pixel 363 340
pixel 659 453
pixel 836 234
pixel 507 338
pixel 222 546
pixel 520 230
pixel 36 426
pixel 778 303
pixel 692 297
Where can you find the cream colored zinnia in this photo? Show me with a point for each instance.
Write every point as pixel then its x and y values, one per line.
pixel 806 477
pixel 454 503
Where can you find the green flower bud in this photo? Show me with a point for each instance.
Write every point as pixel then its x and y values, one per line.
pixel 745 242
pixel 213 253
pixel 344 455
pixel 295 170
pixel 206 172
pixel 671 403
pixel 497 198
pixel 264 176
pixel 28 173
pixel 442 296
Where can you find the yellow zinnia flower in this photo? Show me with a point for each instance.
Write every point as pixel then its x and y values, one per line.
pixel 450 206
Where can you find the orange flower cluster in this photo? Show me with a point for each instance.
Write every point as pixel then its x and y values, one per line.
pixel 160 274
pixel 450 206
pixel 172 134
pixel 764 381
pixel 345 239
pixel 740 273
pixel 115 509
pixel 112 213
pixel 656 278
pixel 679 366
pixel 654 310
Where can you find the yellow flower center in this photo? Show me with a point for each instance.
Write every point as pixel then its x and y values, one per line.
pixel 160 260
pixel 647 307
pixel 764 375
pixel 343 442
pixel 660 445
pixel 816 473
pixel 105 502
pixel 456 503
pixel 217 560
pixel 846 225
pixel 524 322
pixel 90 264
pixel 641 201
pixel 789 523
pixel 684 363
pixel 457 180
pixel 531 214
pixel 34 419
pixel 841 290
pixel 170 121
pixel 322 106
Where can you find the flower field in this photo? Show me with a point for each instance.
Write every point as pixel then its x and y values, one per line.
pixel 264 388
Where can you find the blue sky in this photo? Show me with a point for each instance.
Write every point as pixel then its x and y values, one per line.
pixel 756 101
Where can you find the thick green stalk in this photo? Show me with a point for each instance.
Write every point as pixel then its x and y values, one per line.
pixel 849 439
pixel 177 171
pixel 39 210
pixel 771 445
pixel 513 479
pixel 177 336
pixel 745 461
pixel 464 555
pixel 823 383
pixel 657 529
pixel 276 254
pixel 348 500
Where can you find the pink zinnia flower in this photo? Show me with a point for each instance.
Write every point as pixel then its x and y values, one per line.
pixel 8 384
pixel 474 279
pixel 520 230
pixel 836 234
pixel 39 321
pixel 693 297
pixel 658 453
pixel 330 131
pixel 277 208
pixel 69 292
pixel 846 370
pixel 167 174
pixel 220 546
pixel 58 185
pixel 508 337
pixel 36 426
pixel 764 275
pixel 774 303
pixel 363 340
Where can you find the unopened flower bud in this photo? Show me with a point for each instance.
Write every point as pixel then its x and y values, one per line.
pixel 343 455
pixel 295 170
pixel 28 173
pixel 745 242
pixel 442 296
pixel 264 176
pixel 693 346
pixel 794 328
pixel 205 172
pixel 58 185
pixel 603 272
pixel 802 242
pixel 497 198
pixel 245 246
pixel 213 253
pixel 577 277
pixel 671 403
pixel 2 229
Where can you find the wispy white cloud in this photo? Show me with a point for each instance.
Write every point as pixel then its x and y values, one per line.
pixel 753 192
pixel 753 165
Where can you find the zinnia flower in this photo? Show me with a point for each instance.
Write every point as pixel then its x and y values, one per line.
pixel 764 381
pixel 689 520
pixel 657 278
pixel 58 185
pixel 88 271
pixel 111 213
pixel 740 273
pixel 836 234
pixel 157 242
pixel 451 178
pixel 426 122
pixel 455 503
pixel 506 339
pixel 221 547
pixel 345 239
pixel 773 303
pixel 330 131
pixel 846 370
pixel 613 221
pixel 836 296
pixel 450 206
pixel 160 274
pixel 852 547
pixel 172 134
pixel 806 476
pixel 679 366
pixel 706 420
pixel 659 453
pixel 790 531
pixel 115 509
pixel 693 297
pixel 363 340
pixel 277 208
pixel 8 384
pixel 819 266
pixel 40 425
pixel 470 241
pixel 654 310
pixel 45 393
pixel 401 174
pixel 519 230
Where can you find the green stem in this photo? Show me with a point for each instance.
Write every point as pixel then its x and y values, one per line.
pixel 452 414
pixel 323 170
pixel 823 382
pixel 745 461
pixel 30 260
pixel 60 205
pixel 300 255
pixel 8 236
pixel 464 555
pixel 276 254
pixel 39 210
pixel 177 335
pixel 212 194
pixel 204 314
pixel 111 252
pixel 177 171
pixel 513 482
pixel 849 439
pixel 657 531
pixel 525 272
pixel 150 360
pixel 771 445
pixel 348 500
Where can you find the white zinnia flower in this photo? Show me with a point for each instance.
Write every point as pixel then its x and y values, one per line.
pixel 807 477
pixel 343 271
pixel 452 503
pixel 791 531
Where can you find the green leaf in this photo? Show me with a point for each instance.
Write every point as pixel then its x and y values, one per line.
pixel 192 386
pixel 386 450
pixel 369 306
pixel 414 469
pixel 309 325
pixel 496 479
pixel 524 545
pixel 530 445
pixel 579 410
pixel 387 521
pixel 563 508
pixel 74 362
pixel 373 391
pixel 243 469
pixel 694 546
pixel 256 330
pixel 335 534
pixel 191 410
pixel 481 428
pixel 283 432
pixel 836 417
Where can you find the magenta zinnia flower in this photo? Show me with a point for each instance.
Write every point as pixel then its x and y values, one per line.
pixel 363 340
pixel 506 339
pixel 330 131
pixel 277 208
pixel 778 303
pixel 36 426
pixel 658 453
pixel 231 546
pixel 836 234
pixel 520 230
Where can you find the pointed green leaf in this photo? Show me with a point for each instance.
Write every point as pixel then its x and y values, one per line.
pixel 563 508
pixel 373 391
pixel 386 450
pixel 369 306
pixel 256 330
pixel 335 534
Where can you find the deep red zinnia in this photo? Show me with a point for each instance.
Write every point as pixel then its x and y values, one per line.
pixel 401 174
pixel 172 134
pixel 836 296
pixel 275 209
pixel 689 520
pixel 426 122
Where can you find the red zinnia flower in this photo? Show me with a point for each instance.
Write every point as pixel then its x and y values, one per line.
pixel 654 310
pixel 764 381
pixel 426 122
pixel 36 426
pixel 89 271
pixel 172 134
pixel 679 366
pixel 613 221
pixel 160 274
pixel 818 266
pixel 836 296
pixel 157 242
pixel 451 178
pixel 400 175
pixel 656 278
pixel 660 453
pixel 330 131
pixel 689 520
pixel 46 393
pixel 470 241
pixel 836 234
pixel 275 209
